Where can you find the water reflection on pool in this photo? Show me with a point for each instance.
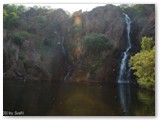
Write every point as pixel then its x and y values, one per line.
pixel 48 98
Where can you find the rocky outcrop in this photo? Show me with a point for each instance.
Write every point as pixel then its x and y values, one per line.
pixel 39 55
pixel 143 24
pixel 107 20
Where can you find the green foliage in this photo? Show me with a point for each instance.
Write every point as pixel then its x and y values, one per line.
pixel 11 15
pixel 146 43
pixel 21 56
pixel 77 26
pixel 35 21
pixel 41 22
pixel 137 10
pixel 9 49
pixel 124 6
pixel 18 37
pixel 5 33
pixel 144 64
pixel 48 43
pixel 27 63
pixel 95 66
pixel 96 43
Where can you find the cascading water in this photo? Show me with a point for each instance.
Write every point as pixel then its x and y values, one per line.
pixel 124 68
pixel 67 66
pixel 124 89
pixel 62 45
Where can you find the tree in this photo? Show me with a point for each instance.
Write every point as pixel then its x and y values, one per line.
pixel 144 64
pixel 11 14
pixel 96 43
pixel 124 6
pixel 146 43
pixel 19 37
pixel 136 10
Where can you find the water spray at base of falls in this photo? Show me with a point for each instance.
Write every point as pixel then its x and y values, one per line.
pixel 124 71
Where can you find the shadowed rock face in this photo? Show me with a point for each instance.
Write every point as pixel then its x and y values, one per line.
pixel 142 25
pixel 108 20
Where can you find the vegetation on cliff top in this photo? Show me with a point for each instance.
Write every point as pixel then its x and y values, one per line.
pixel 137 10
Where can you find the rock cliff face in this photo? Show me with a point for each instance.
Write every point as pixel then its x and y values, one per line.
pixel 39 55
pixel 107 20
pixel 143 24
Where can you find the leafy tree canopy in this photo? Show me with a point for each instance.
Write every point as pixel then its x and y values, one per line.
pixel 96 43
pixel 11 14
pixel 144 64
pixel 146 43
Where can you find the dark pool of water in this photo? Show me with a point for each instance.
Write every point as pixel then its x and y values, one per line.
pixel 91 99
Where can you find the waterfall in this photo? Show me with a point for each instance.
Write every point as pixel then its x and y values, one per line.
pixel 67 66
pixel 124 68
pixel 62 45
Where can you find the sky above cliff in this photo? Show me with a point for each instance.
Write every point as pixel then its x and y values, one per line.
pixel 69 7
